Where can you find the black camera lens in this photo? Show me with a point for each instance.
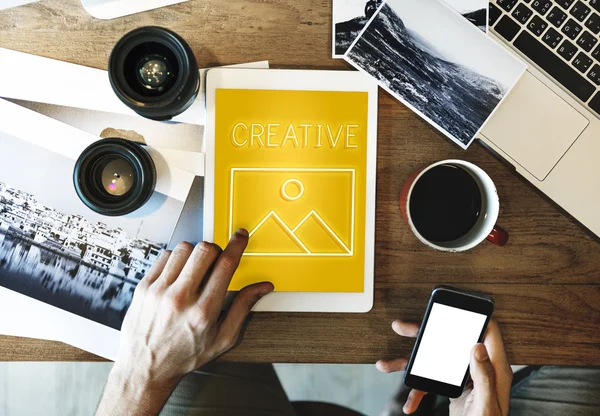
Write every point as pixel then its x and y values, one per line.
pixel 114 176
pixel 154 72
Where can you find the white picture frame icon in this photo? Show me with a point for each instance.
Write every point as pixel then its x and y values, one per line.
pixel 346 250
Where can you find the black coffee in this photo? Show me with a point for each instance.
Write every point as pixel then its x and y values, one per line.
pixel 445 203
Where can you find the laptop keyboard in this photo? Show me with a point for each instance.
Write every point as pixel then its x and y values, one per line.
pixel 562 37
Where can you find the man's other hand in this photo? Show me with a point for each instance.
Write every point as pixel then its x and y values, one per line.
pixel 488 390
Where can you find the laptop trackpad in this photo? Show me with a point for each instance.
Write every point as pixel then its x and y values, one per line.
pixel 534 126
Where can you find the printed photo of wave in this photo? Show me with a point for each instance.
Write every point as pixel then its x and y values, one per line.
pixel 432 65
pixel 346 29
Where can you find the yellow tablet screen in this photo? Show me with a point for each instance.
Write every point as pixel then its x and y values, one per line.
pixel 290 167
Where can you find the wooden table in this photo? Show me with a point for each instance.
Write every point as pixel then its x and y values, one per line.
pixel 546 281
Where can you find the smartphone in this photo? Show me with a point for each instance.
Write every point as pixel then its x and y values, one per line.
pixel 454 322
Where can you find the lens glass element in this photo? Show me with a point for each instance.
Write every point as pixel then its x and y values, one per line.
pixel 117 176
pixel 153 72
pixel 150 69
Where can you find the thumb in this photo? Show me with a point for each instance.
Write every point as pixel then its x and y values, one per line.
pixel 240 309
pixel 484 380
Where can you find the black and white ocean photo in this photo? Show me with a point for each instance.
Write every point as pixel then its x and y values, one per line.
pixel 56 250
pixel 450 73
pixel 350 17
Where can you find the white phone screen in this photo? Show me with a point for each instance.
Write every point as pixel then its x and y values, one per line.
pixel 446 344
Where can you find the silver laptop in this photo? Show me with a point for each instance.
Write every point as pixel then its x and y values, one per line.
pixel 548 128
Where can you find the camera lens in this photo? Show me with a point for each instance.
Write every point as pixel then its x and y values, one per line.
pixel 114 176
pixel 154 72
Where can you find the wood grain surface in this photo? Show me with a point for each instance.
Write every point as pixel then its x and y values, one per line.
pixel 545 282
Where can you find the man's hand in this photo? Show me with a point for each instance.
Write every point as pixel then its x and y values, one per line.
pixel 488 391
pixel 174 324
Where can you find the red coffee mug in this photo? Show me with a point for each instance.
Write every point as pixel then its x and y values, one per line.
pixel 485 228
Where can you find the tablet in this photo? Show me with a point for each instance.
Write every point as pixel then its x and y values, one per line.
pixel 291 157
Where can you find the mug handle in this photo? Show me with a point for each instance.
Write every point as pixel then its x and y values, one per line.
pixel 498 236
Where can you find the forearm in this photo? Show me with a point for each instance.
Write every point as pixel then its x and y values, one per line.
pixel 132 394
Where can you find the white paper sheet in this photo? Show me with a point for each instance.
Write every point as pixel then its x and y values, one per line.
pixel 70 142
pixel 106 9
pixel 179 143
pixel 110 9
pixel 99 106
pixel 191 161
pixel 7 4
pixel 34 78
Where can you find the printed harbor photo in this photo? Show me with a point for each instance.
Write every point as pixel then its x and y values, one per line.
pixel 448 72
pixel 56 250
pixel 65 258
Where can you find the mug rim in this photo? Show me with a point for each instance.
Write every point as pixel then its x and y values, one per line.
pixel 488 228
